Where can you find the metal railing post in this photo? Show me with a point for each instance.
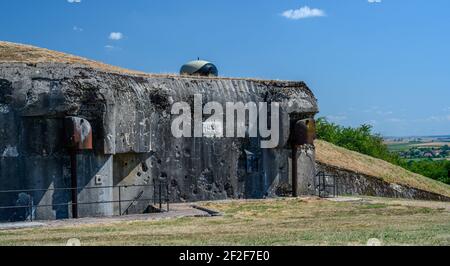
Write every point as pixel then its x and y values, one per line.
pixel 335 187
pixel 74 183
pixel 167 196
pixel 31 209
pixel 154 192
pixel 120 201
pixel 160 195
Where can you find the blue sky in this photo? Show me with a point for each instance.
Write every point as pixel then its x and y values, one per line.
pixel 386 63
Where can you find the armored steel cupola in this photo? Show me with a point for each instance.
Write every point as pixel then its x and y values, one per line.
pixel 199 68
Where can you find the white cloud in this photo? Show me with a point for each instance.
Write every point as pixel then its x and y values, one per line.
pixel 336 118
pixel 74 1
pixel 395 120
pixel 115 36
pixel 434 119
pixel 303 12
pixel 112 48
pixel 374 1
pixel 384 113
pixel 371 122
pixel 76 28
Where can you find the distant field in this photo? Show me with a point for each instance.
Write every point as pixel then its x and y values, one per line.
pixel 395 147
pixel 431 144
pixel 267 222
pixel 404 146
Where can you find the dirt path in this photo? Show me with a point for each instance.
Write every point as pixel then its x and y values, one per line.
pixel 176 211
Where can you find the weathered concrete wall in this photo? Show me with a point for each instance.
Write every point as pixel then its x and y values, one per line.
pixel 306 170
pixel 39 161
pixel 130 117
pixel 351 183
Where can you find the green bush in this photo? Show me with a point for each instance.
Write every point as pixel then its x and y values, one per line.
pixel 363 140
pixel 438 170
pixel 360 139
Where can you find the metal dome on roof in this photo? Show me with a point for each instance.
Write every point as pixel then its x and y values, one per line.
pixel 199 68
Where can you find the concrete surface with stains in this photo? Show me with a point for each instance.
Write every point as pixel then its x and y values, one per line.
pixel 133 144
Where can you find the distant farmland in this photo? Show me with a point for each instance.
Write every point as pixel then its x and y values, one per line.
pixel 404 144
pixel 431 144
pixel 401 146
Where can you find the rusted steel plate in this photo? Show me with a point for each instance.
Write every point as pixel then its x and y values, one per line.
pixel 78 132
pixel 303 132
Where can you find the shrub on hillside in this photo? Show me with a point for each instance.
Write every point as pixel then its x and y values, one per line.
pixel 438 170
pixel 360 139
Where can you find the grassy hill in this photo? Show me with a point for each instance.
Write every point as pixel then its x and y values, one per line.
pixel 20 53
pixel 330 154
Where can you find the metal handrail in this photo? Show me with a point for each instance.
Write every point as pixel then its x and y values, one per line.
pixel 32 206
pixel 69 188
pixel 136 199
pixel 69 204
pixel 322 187
pixel 158 183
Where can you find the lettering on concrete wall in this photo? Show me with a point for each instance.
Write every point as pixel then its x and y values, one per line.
pixel 236 123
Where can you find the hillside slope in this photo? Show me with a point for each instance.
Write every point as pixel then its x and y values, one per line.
pixel 21 53
pixel 329 154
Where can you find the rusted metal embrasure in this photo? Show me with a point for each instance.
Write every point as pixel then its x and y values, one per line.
pixel 78 133
pixel 303 132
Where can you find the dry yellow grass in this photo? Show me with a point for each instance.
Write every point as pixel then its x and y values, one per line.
pixel 20 53
pixel 330 154
pixel 263 222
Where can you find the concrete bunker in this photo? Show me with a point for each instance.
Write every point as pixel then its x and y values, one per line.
pixel 129 115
